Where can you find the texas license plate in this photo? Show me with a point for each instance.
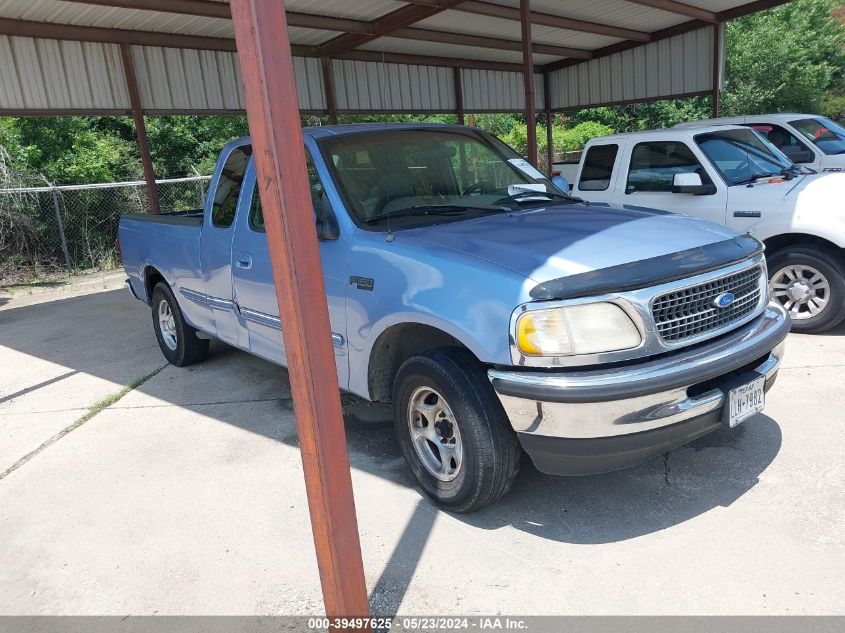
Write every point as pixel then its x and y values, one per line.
pixel 745 401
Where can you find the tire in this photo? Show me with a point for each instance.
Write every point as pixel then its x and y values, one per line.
pixel 178 342
pixel 809 281
pixel 469 426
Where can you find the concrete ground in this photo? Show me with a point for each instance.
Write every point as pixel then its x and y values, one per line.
pixel 186 495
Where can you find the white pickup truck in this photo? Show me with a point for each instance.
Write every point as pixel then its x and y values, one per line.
pixel 733 176
pixel 807 139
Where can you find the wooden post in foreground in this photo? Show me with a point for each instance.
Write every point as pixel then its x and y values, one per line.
pixel 264 53
pixel 140 127
pixel 528 79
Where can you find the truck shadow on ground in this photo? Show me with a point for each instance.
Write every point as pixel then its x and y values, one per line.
pixel 98 334
pixel 713 471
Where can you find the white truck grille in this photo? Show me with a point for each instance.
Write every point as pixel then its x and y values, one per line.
pixel 694 311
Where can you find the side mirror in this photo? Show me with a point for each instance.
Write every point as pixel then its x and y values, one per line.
pixel 691 183
pixel 561 183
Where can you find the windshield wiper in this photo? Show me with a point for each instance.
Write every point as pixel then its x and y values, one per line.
pixel 427 209
pixel 750 179
pixel 531 196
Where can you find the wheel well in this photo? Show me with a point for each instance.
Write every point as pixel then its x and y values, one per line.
pixel 151 278
pixel 779 242
pixel 394 346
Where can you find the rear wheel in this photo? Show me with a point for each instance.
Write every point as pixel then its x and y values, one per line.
pixel 178 340
pixel 809 282
pixel 452 430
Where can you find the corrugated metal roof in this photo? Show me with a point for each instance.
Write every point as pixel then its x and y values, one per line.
pixel 436 49
pixel 715 5
pixel 613 12
pixel 358 9
pixel 682 64
pixel 113 17
pixel 459 22
pixel 311 37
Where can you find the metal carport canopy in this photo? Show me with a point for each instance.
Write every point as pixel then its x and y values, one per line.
pixel 63 56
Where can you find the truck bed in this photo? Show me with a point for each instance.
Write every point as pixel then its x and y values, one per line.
pixel 171 240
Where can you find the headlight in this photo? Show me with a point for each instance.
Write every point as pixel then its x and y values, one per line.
pixel 588 328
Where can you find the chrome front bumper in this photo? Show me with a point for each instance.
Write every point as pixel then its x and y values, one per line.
pixel 580 422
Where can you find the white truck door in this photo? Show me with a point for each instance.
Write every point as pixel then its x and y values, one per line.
pixel 595 176
pixel 647 175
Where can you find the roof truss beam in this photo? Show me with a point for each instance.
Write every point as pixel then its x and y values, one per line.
pixel 463 39
pixel 207 9
pixel 543 19
pixel 383 26
pixel 673 6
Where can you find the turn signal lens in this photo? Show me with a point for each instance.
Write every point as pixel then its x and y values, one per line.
pixel 543 333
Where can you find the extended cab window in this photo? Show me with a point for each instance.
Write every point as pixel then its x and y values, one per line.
pixel 598 168
pixel 256 215
pixel 654 165
pixel 229 187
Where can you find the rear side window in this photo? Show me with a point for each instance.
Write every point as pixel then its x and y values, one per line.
pixel 598 168
pixel 229 187
pixel 654 165
pixel 256 215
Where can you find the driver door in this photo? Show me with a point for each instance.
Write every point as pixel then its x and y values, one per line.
pixel 649 177
pixel 255 291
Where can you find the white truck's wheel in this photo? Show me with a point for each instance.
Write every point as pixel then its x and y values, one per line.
pixel 809 282
pixel 453 431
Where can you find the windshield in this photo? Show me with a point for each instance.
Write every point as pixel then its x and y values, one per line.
pixel 412 177
pixel 742 155
pixel 823 133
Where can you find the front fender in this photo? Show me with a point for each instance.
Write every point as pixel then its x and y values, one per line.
pixel 467 298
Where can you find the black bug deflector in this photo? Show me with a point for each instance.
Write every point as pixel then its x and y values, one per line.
pixel 650 272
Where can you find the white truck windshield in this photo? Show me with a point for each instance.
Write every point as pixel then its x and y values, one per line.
pixel 742 156
pixel 823 133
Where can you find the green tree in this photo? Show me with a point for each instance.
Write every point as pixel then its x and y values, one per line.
pixel 786 58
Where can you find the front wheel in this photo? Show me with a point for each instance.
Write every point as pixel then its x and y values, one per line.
pixel 178 340
pixel 452 430
pixel 809 282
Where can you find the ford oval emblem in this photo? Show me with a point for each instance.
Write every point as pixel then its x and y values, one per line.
pixel 724 300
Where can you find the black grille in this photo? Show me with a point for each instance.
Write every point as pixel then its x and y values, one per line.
pixel 686 313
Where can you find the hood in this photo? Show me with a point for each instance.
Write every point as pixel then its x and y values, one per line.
pixel 556 241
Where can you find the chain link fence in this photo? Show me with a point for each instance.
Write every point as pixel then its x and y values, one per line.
pixel 48 230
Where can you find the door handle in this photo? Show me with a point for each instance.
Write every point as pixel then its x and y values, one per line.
pixel 244 261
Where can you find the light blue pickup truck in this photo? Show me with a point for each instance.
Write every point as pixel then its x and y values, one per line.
pixel 498 314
